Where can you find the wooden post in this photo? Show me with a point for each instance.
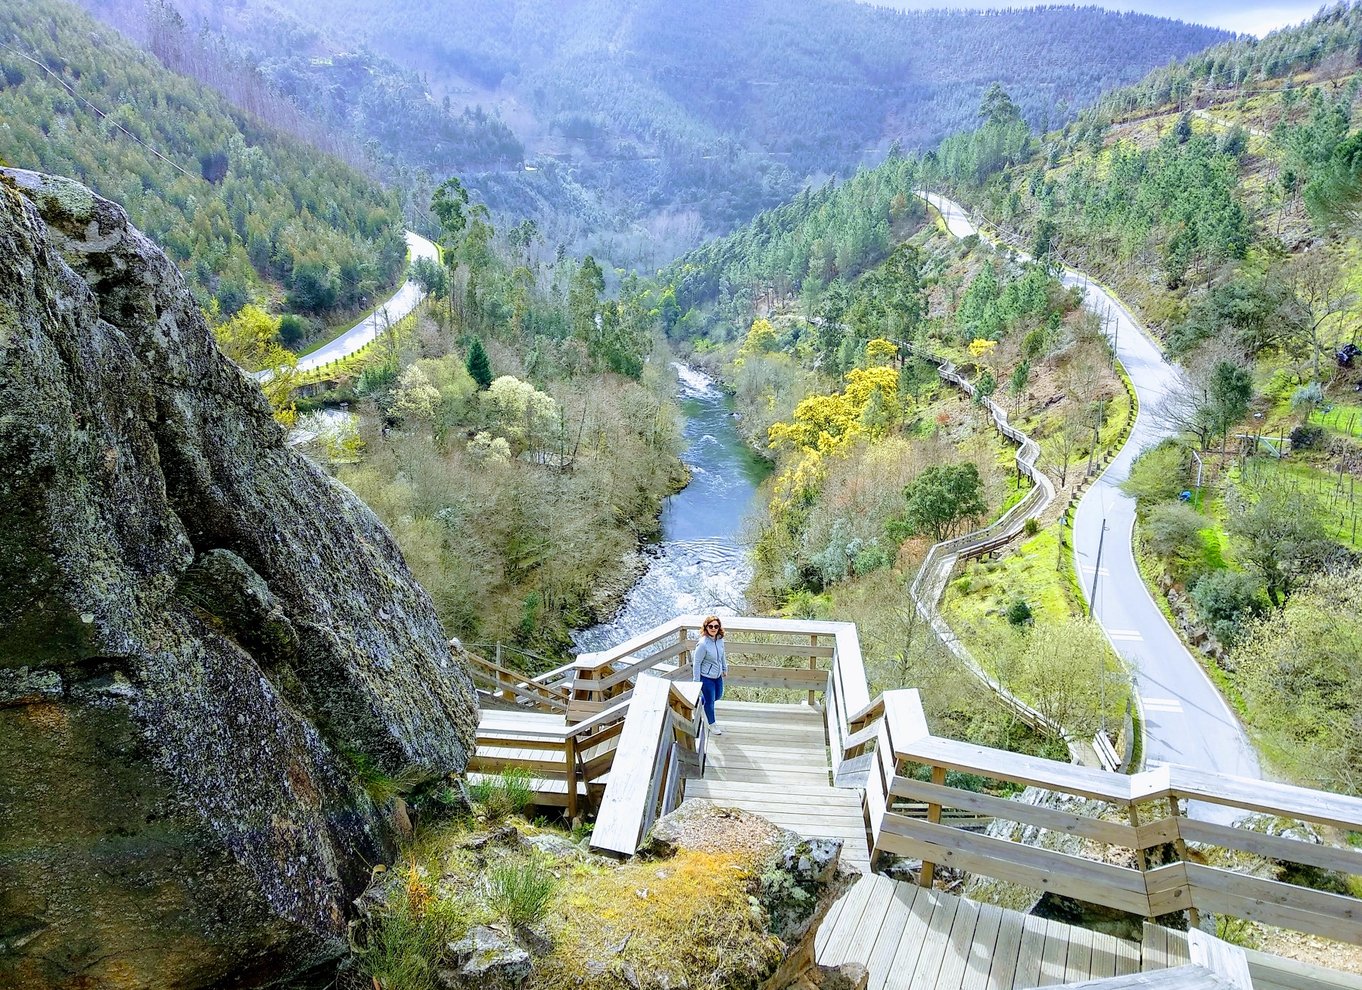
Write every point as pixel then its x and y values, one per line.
pixel 934 817
pixel 1140 857
pixel 1175 809
pixel 570 759
pixel 813 664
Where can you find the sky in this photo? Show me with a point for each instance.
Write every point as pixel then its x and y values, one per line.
pixel 1245 16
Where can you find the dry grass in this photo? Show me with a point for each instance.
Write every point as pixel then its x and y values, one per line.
pixel 688 917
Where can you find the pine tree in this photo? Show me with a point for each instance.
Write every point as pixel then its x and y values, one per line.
pixel 478 366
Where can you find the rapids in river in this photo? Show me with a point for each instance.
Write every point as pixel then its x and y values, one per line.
pixel 703 563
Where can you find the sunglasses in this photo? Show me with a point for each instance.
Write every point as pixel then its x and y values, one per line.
pixel 711 625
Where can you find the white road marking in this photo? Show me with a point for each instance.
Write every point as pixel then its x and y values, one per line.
pixel 1129 635
pixel 1162 704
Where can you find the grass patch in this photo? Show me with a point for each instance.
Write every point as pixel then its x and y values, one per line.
pixel 1034 573
pixel 1318 491
pixel 519 890
pixel 504 794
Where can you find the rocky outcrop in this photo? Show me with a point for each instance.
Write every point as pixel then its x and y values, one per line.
pixel 201 637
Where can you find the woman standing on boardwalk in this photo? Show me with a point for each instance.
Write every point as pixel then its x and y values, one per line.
pixel 711 665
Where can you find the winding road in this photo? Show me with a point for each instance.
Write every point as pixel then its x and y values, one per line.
pixel 403 301
pixel 1186 720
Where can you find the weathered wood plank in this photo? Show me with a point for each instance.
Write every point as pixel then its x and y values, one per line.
pixel 1112 833
pixel 897 912
pixel 1179 978
pixel 983 948
pixel 1273 903
pixel 1054 956
pixel 1290 973
pixel 1040 869
pixel 622 810
pixel 958 945
pixel 1099 785
pixel 1273 846
pixel 853 906
pixel 909 946
pixel 933 953
pixel 1154 947
pixel 1221 958
pixel 1030 952
pixel 1003 972
pixel 1102 961
pixel 1128 957
pixel 1267 797
pixel 1078 963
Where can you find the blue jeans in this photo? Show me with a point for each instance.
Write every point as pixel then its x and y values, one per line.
pixel 711 690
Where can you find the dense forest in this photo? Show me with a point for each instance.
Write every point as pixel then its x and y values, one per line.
pixel 644 128
pixel 248 212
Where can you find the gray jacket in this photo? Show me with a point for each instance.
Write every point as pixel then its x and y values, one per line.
pixel 709 658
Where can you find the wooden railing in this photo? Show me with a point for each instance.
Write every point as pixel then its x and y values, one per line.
pixel 663 738
pixel 546 692
pixel 831 652
pixel 931 579
pixel 577 755
pixel 1148 825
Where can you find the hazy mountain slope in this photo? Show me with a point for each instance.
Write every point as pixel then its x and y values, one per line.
pixel 648 124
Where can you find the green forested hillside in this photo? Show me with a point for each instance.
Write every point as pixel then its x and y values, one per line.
pixel 246 211
pixel 650 126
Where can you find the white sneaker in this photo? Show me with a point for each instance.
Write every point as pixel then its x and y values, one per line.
pixel 716 730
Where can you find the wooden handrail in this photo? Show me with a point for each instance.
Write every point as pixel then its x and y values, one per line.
pixel 643 780
pixel 1150 891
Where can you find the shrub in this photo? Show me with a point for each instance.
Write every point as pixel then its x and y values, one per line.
pixel 1227 600
pixel 1159 474
pixel 1019 613
pixel 1306 437
pixel 519 890
pixel 1031 527
pixel 1172 530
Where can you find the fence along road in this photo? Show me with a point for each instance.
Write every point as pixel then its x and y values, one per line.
pixel 1186 721
pixel 403 301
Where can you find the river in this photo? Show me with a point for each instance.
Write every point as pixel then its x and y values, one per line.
pixel 703 563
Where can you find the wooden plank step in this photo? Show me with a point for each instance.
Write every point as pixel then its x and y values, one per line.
pixel 896 914
pixel 958 946
pixel 982 950
pixel 1294 975
pixel 909 947
pixel 1221 958
pixel 1185 977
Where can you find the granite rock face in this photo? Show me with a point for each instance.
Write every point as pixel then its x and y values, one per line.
pixel 200 634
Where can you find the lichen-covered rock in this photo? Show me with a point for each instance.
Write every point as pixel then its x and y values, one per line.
pixel 485 960
pixel 194 623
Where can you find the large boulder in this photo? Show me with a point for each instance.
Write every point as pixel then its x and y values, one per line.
pixel 202 636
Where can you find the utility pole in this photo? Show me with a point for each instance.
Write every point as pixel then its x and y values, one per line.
pixel 1196 500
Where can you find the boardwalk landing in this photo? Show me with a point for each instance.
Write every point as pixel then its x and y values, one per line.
pixel 773 760
pixel 910 936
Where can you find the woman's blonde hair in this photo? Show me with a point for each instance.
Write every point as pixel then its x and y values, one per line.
pixel 708 620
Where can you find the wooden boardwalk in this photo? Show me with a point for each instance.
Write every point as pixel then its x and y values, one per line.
pixel 773 760
pixel 913 937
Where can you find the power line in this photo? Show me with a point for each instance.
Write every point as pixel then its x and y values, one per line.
pixel 102 114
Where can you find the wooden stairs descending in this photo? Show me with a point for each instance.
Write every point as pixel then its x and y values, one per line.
pixel 621 732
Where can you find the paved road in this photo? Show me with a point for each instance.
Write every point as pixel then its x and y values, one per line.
pixel 1186 719
pixel 403 301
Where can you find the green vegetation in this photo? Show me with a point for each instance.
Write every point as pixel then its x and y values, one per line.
pixel 1221 198
pixel 502 795
pixel 519 890
pixel 239 206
